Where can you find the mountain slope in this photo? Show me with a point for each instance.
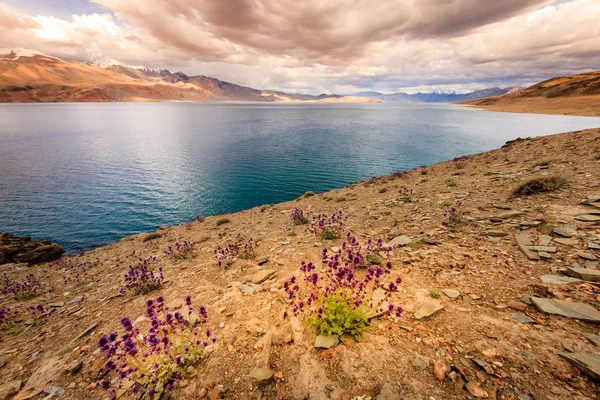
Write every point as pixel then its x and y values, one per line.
pixel 572 95
pixel 31 76
pixel 434 97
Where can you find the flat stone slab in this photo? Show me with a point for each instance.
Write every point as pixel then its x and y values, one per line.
pixel 565 231
pixel 452 293
pixel 261 375
pixel 587 256
pixel 545 249
pixel 588 218
pixel 587 274
pixel 428 308
pixel 261 276
pixel 592 338
pixel 593 246
pixel 525 244
pixel 400 241
pixel 10 388
pixel 566 241
pixel 326 342
pixel 587 362
pixel 558 279
pixel 592 198
pixel 568 309
pixel 522 318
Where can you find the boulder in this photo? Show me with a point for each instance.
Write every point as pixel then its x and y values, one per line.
pixel 14 249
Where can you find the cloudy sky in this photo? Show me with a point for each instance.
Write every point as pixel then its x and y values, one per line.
pixel 315 46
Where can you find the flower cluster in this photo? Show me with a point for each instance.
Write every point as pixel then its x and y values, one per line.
pixel 328 227
pixel 460 162
pixel 21 290
pixel 141 279
pixel 242 247
pixel 454 215
pixel 340 298
pixel 77 273
pixel 385 178
pixel 7 317
pixel 181 251
pixel 299 217
pixel 406 194
pixel 155 362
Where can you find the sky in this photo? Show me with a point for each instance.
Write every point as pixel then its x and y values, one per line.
pixel 316 46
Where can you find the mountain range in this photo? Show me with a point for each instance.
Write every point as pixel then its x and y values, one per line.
pixel 32 76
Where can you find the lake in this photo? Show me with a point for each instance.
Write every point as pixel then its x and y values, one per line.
pixel 84 175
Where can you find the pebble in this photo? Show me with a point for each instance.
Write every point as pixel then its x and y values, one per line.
pixel 326 342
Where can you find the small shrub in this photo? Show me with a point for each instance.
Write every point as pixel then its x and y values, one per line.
pixel 328 227
pixel 264 208
pixel 200 218
pixel 337 299
pixel 540 185
pixel 339 199
pixel 181 251
pixel 308 194
pixel 242 247
pixel 544 163
pixel 76 272
pixel 406 195
pixel 204 238
pixel 152 363
pixel 150 236
pixel 383 190
pixel 450 182
pixel 141 279
pixel 7 321
pixel 423 172
pixel 435 294
pixel 298 217
pixel 21 290
pixel 458 173
pixel 222 221
pixel 397 174
pixel 460 162
pixel 454 216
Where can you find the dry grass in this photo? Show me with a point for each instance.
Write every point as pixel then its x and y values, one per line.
pixel 540 185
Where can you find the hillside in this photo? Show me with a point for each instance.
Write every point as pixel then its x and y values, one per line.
pixel 29 76
pixel 434 97
pixel 570 95
pixel 499 289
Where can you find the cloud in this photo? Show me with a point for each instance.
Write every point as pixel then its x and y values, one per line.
pixel 337 45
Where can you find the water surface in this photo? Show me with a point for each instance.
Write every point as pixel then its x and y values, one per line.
pixel 84 175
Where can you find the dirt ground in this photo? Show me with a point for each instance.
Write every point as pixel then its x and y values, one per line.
pixel 474 337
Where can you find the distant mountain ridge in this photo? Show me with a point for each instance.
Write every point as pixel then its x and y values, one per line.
pixel 436 97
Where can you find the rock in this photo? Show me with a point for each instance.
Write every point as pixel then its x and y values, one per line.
pixel 82 334
pixel 522 318
pixel 593 246
pixel 24 250
pixel 452 293
pixel 54 390
pixel 326 342
pixel 494 233
pixel 587 362
pixel 516 305
pixel 545 240
pixel 525 244
pixel 567 242
pixel 558 279
pixel 400 241
pixel 592 338
pixel 526 300
pixel 428 308
pixel 9 389
pixel 565 231
pixel 587 256
pixel 588 218
pixel 249 288
pixel 387 393
pixel 568 309
pixel 75 367
pixel 440 370
pixel 261 375
pixel 545 249
pixel 418 363
pixel 56 304
pixel 592 198
pixel 587 274
pixel 77 299
pixel 261 276
pixel 475 390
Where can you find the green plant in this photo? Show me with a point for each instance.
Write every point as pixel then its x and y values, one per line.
pixel 339 317
pixel 374 259
pixel 150 236
pixel 308 194
pixel 435 294
pixel 450 182
pixel 222 221
pixel 383 190
pixel 339 199
pixel 203 239
pixel 424 172
pixel 540 185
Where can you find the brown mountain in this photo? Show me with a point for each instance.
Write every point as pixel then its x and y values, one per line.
pixel 571 95
pixel 29 76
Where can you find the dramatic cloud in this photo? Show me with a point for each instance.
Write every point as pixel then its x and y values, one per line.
pixel 337 45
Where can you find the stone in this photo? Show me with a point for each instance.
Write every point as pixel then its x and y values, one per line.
pixel 567 242
pixel 419 363
pixel 546 249
pixel 249 289
pixel 592 338
pixel 565 231
pixel 452 293
pixel 545 240
pixel 387 393
pixel 516 305
pixel 587 256
pixel 400 241
pixel 587 274
pixel 261 375
pixel 592 198
pixel 326 342
pixel 522 318
pixel 475 390
pixel 428 308
pixel 440 370
pixel 77 299
pixel 526 299
pixel 587 362
pixel 494 233
pixel 261 276
pixel 15 249
pixel 85 332
pixel 54 390
pixel 558 279
pixel 525 244
pixel 593 246
pixel 588 218
pixel 56 304
pixel 9 389
pixel 545 255
pixel 568 309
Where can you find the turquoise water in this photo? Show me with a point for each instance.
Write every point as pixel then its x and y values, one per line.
pixel 84 175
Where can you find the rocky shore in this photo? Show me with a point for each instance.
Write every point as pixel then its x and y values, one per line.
pixel 500 290
pixel 24 250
